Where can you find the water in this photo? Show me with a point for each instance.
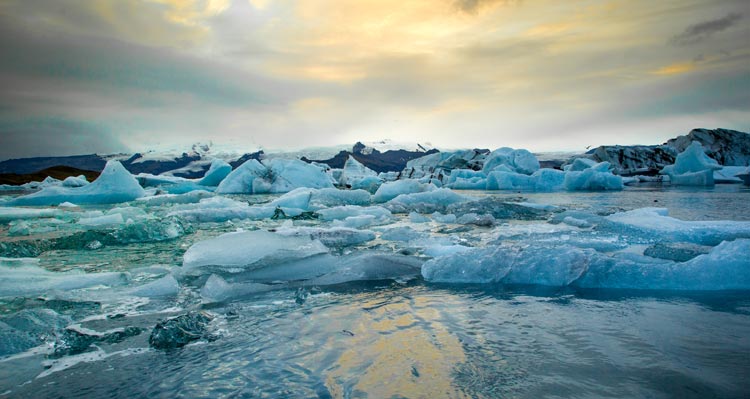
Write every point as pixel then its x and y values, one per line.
pixel 386 338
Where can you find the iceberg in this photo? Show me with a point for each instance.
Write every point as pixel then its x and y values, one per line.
pixel 331 237
pixel 114 185
pixel 347 211
pixel 310 199
pixel 391 190
pixel 426 202
pixel 355 172
pixel 597 177
pixel 274 176
pixel 725 267
pixel 517 161
pixel 288 174
pixel 242 251
pixel 655 223
pixel 243 179
pixel 217 172
pixel 30 279
pixel 692 167
pixel 16 213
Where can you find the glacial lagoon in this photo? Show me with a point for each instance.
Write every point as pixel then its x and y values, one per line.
pixel 636 293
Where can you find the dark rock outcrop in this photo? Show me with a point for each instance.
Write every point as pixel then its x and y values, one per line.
pixel 389 161
pixel 728 147
pixel 180 331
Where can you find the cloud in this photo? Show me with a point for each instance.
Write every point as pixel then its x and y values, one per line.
pixel 472 6
pixel 48 136
pixel 702 31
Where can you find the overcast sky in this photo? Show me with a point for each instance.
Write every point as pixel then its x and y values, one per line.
pixel 83 76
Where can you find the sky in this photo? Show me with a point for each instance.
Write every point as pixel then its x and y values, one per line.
pixel 106 76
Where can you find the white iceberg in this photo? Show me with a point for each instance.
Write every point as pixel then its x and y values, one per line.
pixel 114 185
pixel 274 176
pixel 391 190
pixel 243 179
pixel 507 159
pixel 354 173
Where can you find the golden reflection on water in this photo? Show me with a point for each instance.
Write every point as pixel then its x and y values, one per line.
pixel 400 348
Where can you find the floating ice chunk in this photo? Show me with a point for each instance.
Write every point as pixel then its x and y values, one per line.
pixel 478 265
pixel 68 205
pixel 498 208
pixel 30 280
pixel 466 179
pixel 357 222
pixel 288 174
pixel 463 174
pixel 656 224
pixel 550 266
pixel 75 181
pixel 216 289
pixel 402 233
pixel 354 172
pixel 165 286
pixel 369 184
pixel 557 266
pixel 371 267
pixel 221 209
pixel 500 180
pixel 473 183
pixel 13 213
pixel 218 170
pixel 692 167
pixel 391 190
pixel 243 179
pixel 575 222
pixel 728 174
pixel 237 252
pixel 330 237
pixel 594 178
pixel 702 178
pixel 440 218
pixel 415 217
pixel 426 202
pixel 579 164
pixel 518 161
pixel 548 179
pixel 343 212
pixel 311 199
pixel 541 180
pixel 726 267
pixel 100 221
pixel 187 198
pixel 115 184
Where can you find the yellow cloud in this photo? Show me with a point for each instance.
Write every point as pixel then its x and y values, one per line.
pixel 191 12
pixel 675 69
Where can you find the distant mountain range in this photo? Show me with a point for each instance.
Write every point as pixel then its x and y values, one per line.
pixel 729 147
pixel 388 161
